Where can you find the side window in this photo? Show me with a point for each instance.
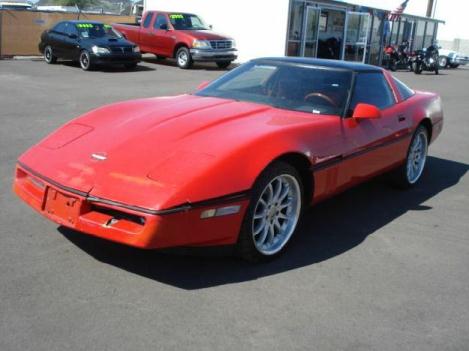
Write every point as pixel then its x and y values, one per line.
pixel 404 90
pixel 373 89
pixel 160 19
pixel 70 29
pixel 60 28
pixel 148 19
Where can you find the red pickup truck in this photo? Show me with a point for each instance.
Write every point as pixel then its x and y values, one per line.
pixel 183 36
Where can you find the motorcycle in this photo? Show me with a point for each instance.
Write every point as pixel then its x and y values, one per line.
pixel 397 58
pixel 425 60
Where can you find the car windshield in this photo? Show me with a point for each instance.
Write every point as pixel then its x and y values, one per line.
pixel 96 30
pixel 184 21
pixel 305 88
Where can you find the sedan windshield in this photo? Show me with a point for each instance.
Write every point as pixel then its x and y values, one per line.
pixel 184 21
pixel 305 88
pixel 96 30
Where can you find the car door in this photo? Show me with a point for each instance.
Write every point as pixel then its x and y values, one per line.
pixel 146 35
pixel 373 145
pixel 55 39
pixel 70 42
pixel 163 38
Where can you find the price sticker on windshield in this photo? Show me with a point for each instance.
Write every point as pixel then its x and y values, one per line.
pixel 174 16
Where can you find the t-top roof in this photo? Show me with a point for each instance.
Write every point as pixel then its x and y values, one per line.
pixel 353 66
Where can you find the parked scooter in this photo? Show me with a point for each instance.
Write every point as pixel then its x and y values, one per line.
pixel 425 60
pixel 397 58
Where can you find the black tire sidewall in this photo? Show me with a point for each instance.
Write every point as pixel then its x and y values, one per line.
pixel 245 245
pixel 399 176
pixel 189 58
pixel 87 68
pixel 51 52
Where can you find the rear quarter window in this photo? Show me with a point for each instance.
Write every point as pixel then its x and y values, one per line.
pixel 404 90
pixel 372 88
pixel 147 21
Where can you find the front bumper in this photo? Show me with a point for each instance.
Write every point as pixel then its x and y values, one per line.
pixel 460 60
pixel 110 59
pixel 214 55
pixel 101 218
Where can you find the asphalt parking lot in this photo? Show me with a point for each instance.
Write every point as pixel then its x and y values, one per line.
pixel 372 269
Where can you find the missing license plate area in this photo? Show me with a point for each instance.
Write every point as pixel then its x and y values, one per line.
pixel 62 206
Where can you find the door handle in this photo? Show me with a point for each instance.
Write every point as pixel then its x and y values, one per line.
pixel 401 118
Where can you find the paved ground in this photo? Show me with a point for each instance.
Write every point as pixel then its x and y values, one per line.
pixel 373 269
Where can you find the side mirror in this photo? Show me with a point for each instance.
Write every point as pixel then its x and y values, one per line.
pixel 366 111
pixel 164 26
pixel 210 26
pixel 203 85
pixel 73 36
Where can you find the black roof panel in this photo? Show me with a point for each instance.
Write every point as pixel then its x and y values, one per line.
pixel 353 66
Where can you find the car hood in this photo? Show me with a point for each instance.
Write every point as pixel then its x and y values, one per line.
pixel 205 35
pixel 142 152
pixel 106 42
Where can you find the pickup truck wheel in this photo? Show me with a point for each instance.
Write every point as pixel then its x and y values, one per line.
pixel 183 58
pixel 49 55
pixel 223 64
pixel 85 61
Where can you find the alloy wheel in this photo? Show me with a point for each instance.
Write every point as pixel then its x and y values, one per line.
pixel 417 156
pixel 276 214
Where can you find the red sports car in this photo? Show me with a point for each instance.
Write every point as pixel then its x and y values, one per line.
pixel 234 163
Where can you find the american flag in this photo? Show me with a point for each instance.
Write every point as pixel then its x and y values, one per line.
pixel 394 15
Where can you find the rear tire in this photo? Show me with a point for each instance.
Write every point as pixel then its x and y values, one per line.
pixel 407 175
pixel 49 55
pixel 436 69
pixel 183 58
pixel 223 64
pixel 273 213
pixel 85 61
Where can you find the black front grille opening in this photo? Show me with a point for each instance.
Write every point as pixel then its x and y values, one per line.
pixel 118 215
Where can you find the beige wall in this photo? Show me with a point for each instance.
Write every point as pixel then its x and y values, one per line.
pixel 20 31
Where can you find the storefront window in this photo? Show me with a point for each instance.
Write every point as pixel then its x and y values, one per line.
pixel 419 35
pixel 394 32
pixel 295 29
pixel 429 34
pixel 375 41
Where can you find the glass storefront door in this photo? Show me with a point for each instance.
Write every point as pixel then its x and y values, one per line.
pixel 310 32
pixel 358 25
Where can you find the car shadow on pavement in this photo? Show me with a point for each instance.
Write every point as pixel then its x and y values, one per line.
pixel 110 69
pixel 197 66
pixel 327 230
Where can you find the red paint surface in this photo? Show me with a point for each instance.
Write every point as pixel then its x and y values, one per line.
pixel 164 152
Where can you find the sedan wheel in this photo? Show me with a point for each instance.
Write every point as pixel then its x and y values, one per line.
pixel 85 61
pixel 49 56
pixel 273 213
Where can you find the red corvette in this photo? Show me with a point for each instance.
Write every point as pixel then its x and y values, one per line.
pixel 234 163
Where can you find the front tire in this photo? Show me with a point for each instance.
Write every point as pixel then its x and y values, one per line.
pixel 411 171
pixel 417 68
pixel 85 61
pixel 49 55
pixel 273 213
pixel 183 58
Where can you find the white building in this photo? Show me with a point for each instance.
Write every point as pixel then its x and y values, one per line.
pixel 322 28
